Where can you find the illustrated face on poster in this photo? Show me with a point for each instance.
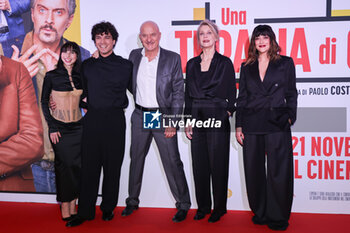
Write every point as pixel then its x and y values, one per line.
pixel 51 19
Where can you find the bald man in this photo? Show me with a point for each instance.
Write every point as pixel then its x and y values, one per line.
pixel 157 87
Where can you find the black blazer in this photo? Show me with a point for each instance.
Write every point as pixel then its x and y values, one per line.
pixel 264 107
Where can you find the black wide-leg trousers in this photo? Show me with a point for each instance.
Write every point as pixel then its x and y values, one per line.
pixel 103 146
pixel 210 156
pixel 270 187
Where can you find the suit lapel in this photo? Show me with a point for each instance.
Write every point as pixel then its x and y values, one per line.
pixel 268 80
pixel 4 79
pixel 136 63
pixel 254 69
pixel 160 69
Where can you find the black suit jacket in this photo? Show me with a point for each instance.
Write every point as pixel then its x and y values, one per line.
pixel 264 107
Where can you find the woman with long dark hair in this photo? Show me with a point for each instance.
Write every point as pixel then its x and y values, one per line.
pixel 64 85
pixel 210 94
pixel 266 108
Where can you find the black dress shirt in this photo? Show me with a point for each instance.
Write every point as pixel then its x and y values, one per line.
pixel 105 82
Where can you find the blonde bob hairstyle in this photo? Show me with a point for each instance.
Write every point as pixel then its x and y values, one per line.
pixel 213 27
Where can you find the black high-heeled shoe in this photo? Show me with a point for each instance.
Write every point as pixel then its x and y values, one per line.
pixel 67 219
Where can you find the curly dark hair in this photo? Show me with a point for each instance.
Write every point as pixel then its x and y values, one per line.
pixel 74 47
pixel 264 30
pixel 104 28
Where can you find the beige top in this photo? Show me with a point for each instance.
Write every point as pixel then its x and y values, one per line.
pixel 67 105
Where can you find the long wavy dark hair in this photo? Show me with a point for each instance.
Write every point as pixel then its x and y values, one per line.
pixel 273 53
pixel 74 47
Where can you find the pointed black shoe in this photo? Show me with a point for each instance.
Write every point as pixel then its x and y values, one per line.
pixel 200 215
pixel 180 216
pixel 278 226
pixel 214 217
pixel 129 209
pixel 259 221
pixel 107 215
pixel 75 222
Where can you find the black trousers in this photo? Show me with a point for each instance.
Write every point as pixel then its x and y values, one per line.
pixel 270 189
pixel 67 161
pixel 210 156
pixel 103 146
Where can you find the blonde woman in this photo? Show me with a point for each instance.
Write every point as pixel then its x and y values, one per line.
pixel 210 93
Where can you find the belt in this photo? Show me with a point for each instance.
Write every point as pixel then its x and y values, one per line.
pixel 4 29
pixel 146 109
pixel 46 165
pixel 213 100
